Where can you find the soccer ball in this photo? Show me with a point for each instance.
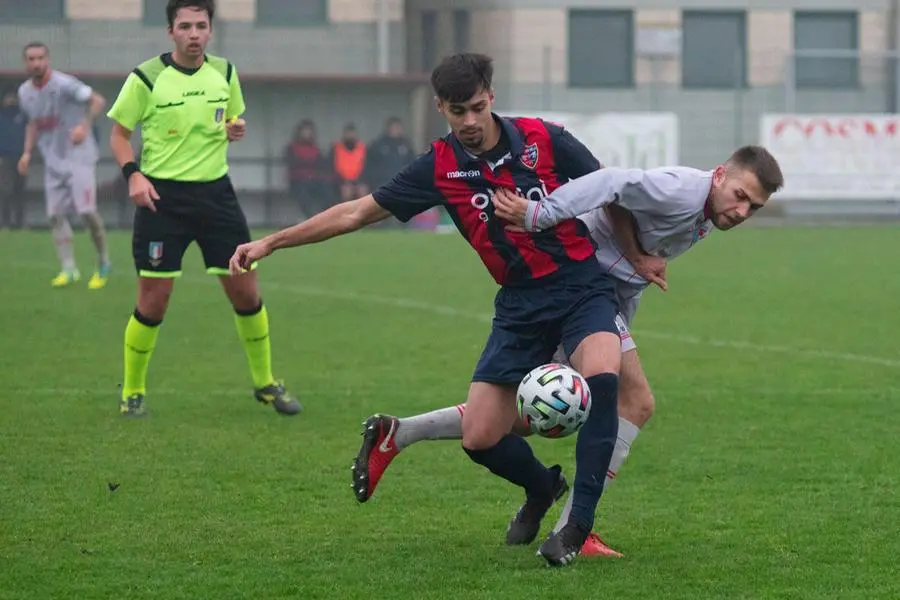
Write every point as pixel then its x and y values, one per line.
pixel 554 400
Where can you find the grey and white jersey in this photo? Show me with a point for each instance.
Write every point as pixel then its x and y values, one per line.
pixel 667 204
pixel 56 108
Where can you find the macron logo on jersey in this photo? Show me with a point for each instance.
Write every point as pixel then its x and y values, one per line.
pixel 463 174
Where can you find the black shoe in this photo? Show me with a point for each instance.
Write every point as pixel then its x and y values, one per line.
pixel 527 523
pixel 561 548
pixel 276 395
pixel 132 406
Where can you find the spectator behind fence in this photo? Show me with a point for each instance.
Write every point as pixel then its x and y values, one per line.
pixel 388 154
pixel 307 174
pixel 12 141
pixel 348 159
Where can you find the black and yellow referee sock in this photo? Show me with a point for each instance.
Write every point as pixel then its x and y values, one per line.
pixel 140 339
pixel 253 329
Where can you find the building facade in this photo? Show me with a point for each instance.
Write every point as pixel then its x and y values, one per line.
pixel 717 64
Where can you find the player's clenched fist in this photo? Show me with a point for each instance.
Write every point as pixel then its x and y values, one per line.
pixel 247 254
pixel 142 192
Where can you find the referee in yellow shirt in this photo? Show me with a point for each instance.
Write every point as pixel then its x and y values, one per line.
pixel 188 104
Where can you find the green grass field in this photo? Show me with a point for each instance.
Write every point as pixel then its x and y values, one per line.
pixel 770 470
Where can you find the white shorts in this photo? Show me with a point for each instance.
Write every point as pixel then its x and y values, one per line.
pixel 628 307
pixel 73 190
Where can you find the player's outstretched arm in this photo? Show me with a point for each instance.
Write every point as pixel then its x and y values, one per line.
pixel 409 193
pixel 580 196
pixel 338 220
pixel 651 268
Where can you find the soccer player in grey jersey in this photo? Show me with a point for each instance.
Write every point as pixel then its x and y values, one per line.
pixel 60 111
pixel 639 219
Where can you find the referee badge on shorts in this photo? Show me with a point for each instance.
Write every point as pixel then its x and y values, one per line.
pixel 156 252
pixel 220 113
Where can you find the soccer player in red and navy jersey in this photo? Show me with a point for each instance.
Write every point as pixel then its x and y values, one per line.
pixel 552 290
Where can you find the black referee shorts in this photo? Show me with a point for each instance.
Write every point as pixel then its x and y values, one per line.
pixel 205 212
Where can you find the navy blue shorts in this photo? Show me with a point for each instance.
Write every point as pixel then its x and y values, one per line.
pixel 532 319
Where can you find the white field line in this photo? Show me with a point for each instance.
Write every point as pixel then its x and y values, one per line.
pixel 449 311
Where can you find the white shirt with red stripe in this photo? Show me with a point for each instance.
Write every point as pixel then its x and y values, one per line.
pixel 56 107
pixel 668 205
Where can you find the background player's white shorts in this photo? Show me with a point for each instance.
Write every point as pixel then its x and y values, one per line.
pixel 72 190
pixel 628 307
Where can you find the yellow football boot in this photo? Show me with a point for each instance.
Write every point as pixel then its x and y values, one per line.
pixel 66 278
pixel 99 278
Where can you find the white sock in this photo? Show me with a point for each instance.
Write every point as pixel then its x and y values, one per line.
pixel 442 424
pixel 62 239
pixel 628 431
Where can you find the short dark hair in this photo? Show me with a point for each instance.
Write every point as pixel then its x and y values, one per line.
pixel 461 76
pixel 35 44
pixel 761 163
pixel 174 6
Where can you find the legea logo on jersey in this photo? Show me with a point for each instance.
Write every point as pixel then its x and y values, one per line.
pixel 482 200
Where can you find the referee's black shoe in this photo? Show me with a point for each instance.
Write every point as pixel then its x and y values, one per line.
pixel 276 395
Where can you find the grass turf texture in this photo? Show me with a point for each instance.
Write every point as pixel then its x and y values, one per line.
pixel 769 471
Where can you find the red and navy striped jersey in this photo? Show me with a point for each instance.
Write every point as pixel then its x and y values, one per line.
pixel 542 157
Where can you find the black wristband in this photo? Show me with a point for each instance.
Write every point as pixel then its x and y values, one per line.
pixel 129 169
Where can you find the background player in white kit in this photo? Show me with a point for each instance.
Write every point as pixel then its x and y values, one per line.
pixel 61 111
pixel 639 220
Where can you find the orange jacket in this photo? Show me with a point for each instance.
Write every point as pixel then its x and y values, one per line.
pixel 349 164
